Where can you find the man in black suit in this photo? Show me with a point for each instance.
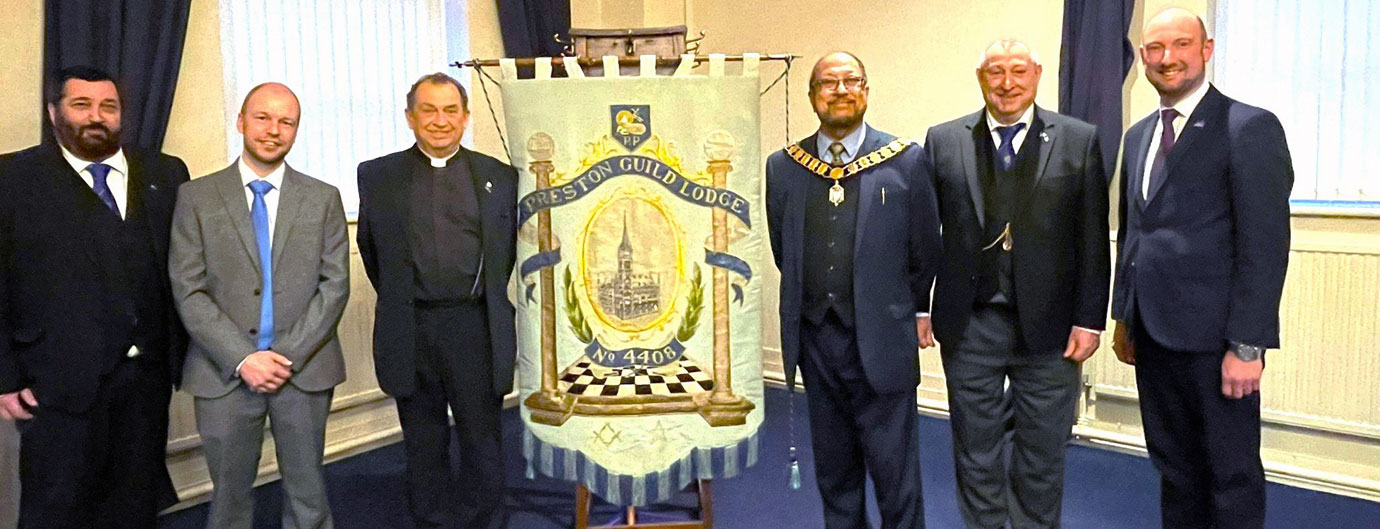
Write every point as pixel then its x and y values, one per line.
pixel 855 233
pixel 1022 294
pixel 1201 255
pixel 90 344
pixel 437 236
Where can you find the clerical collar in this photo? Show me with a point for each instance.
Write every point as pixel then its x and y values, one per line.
pixel 440 162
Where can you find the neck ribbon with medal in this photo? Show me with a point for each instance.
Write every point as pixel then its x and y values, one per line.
pixel 826 170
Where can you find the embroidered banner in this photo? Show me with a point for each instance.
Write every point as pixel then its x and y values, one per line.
pixel 639 323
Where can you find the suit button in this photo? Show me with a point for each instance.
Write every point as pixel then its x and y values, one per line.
pixel 257 292
pixel 832 296
pixel 973 279
pixel 253 331
pixel 831 244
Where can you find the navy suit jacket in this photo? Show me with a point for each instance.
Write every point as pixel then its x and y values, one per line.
pixel 66 315
pixel 385 195
pixel 1202 261
pixel 894 257
pixel 1061 253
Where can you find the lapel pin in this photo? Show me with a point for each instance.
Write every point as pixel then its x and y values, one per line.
pixel 1198 125
pixel 488 187
pixel 153 187
pixel 1044 137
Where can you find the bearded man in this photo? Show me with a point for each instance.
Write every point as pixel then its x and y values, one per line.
pixel 90 343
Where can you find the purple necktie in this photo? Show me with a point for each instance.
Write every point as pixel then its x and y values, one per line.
pixel 1158 167
pixel 99 172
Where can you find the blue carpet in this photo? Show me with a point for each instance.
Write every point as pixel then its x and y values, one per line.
pixel 1104 490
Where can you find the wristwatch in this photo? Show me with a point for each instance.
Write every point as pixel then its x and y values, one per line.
pixel 1246 353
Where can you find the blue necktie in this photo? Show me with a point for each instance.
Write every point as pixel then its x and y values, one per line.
pixel 99 172
pixel 1006 153
pixel 259 214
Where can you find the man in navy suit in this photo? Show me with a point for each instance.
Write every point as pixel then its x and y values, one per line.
pixel 90 343
pixel 1202 247
pixel 1022 295
pixel 855 233
pixel 436 233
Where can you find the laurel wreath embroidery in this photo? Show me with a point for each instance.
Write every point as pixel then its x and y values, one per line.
pixel 693 307
pixel 578 324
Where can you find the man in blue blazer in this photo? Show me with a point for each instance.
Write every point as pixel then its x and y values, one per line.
pixel 1202 248
pixel 855 234
pixel 436 233
pixel 1022 294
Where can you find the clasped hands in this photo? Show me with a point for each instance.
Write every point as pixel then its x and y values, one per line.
pixel 265 371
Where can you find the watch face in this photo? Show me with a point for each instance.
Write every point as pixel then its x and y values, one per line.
pixel 1247 353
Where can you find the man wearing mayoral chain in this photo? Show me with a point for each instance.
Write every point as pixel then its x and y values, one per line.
pixel 855 233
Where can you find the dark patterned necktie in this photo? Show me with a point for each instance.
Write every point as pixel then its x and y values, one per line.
pixel 1157 167
pixel 1006 152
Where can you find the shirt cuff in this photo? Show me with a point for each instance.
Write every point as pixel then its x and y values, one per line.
pixel 241 364
pixel 1094 331
pixel 922 314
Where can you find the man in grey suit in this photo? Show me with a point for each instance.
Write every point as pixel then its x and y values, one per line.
pixel 1022 294
pixel 260 273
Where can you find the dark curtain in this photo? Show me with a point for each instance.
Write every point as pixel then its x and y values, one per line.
pixel 528 26
pixel 1093 61
pixel 138 42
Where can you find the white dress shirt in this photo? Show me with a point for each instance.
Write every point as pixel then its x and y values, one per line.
pixel 117 180
pixel 275 177
pixel 851 144
pixel 1028 117
pixel 1185 108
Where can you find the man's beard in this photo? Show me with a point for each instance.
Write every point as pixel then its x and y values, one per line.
pixel 90 148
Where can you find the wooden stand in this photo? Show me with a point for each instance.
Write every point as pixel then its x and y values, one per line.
pixel 706 521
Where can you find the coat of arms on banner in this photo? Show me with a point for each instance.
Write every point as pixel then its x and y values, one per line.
pixel 639 317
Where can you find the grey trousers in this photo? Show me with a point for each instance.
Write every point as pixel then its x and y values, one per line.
pixel 1030 421
pixel 232 435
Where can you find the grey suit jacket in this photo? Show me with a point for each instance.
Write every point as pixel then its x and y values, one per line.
pixel 214 264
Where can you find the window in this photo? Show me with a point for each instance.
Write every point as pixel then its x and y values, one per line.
pixel 1316 65
pixel 350 63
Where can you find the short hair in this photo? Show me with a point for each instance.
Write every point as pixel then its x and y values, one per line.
pixel 57 84
pixel 1006 45
pixel 814 72
pixel 244 103
pixel 438 78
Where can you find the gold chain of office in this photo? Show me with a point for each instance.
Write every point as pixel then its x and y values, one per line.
pixel 819 167
pixel 859 165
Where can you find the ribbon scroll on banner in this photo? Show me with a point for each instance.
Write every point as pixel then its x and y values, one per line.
pixel 639 317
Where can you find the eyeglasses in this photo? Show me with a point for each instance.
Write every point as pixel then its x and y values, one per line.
pixel 851 83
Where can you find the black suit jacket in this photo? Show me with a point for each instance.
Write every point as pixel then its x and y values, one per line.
pixel 1202 262
pixel 66 317
pixel 384 209
pixel 1060 257
pixel 894 257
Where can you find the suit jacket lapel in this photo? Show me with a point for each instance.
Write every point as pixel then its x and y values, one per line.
pixel 796 203
pixel 1193 128
pixel 1140 156
pixel 290 200
pixel 69 185
pixel 237 208
pixel 968 152
pixel 1044 136
pixel 867 187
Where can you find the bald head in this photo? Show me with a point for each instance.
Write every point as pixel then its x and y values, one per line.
pixel 268 120
pixel 1178 17
pixel 1175 50
pixel 834 59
